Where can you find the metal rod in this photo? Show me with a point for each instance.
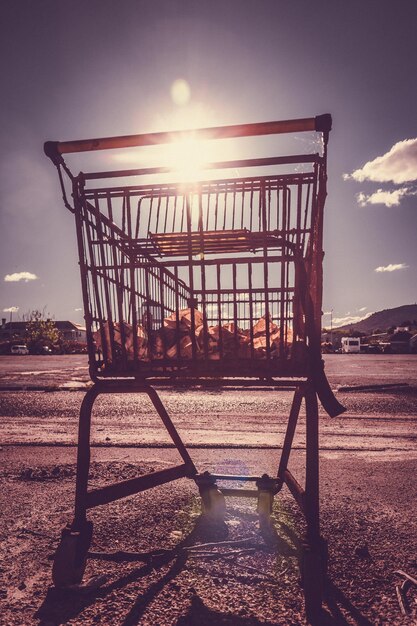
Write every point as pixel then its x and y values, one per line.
pixel 240 493
pixel 219 309
pixel 312 507
pixel 83 455
pixel 216 165
pixel 289 435
pixel 110 321
pixel 190 381
pixel 156 401
pixel 86 253
pixel 246 183
pixel 295 488
pixel 263 228
pixel 252 479
pixel 320 123
pixel 134 485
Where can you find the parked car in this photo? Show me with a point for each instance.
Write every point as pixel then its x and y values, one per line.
pixel 373 349
pixel 19 349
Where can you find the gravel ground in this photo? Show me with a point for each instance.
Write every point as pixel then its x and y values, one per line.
pixel 366 515
pixel 368 489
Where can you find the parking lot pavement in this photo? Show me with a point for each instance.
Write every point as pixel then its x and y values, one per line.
pixel 341 369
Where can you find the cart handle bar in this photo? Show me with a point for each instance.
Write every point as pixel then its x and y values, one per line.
pixel 320 123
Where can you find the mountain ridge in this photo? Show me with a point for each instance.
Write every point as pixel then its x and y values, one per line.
pixel 384 319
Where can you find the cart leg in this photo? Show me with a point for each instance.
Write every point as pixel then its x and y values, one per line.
pixel 213 501
pixel 290 432
pixel 314 549
pixel 71 555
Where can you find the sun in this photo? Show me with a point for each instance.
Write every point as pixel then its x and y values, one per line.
pixel 188 157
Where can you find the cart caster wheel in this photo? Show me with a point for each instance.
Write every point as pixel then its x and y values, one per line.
pixel 71 556
pixel 313 570
pixel 267 487
pixel 264 508
pixel 213 503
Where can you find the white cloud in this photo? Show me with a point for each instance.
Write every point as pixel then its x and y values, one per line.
pixel 349 319
pixel 363 308
pixel 398 165
pixel 392 267
pixel 389 198
pixel 77 309
pixel 18 276
pixel 11 309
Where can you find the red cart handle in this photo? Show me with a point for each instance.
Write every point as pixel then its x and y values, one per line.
pixel 320 123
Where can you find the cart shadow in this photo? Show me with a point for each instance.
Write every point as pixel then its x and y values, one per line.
pixel 335 600
pixel 61 605
pixel 281 539
pixel 201 615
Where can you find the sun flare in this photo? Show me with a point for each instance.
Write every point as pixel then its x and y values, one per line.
pixel 187 154
pixel 188 157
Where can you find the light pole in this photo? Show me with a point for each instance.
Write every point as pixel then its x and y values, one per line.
pixel 331 327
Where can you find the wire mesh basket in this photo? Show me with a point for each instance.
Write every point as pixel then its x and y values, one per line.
pixel 220 277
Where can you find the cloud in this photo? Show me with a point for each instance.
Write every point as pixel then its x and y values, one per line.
pixel 398 165
pixel 349 319
pixel 11 309
pixel 389 198
pixel 77 309
pixel 18 276
pixel 392 267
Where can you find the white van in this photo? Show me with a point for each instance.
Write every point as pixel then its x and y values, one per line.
pixel 21 349
pixel 351 345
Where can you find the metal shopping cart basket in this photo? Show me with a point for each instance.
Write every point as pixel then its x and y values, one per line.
pixel 214 282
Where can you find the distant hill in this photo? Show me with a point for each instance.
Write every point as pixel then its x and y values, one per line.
pixel 382 320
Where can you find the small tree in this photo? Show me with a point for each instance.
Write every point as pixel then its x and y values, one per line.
pixel 40 331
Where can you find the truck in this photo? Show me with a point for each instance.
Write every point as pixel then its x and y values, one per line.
pixel 351 345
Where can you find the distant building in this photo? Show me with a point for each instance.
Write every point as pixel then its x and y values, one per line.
pixel 70 331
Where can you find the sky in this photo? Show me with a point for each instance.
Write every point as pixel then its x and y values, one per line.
pixel 74 69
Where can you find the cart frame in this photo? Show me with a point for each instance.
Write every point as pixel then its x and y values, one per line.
pixel 129 372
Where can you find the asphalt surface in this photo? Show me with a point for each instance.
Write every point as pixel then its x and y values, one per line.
pixel 341 370
pixel 378 391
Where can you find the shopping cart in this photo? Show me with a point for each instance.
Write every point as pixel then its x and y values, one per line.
pixel 214 282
